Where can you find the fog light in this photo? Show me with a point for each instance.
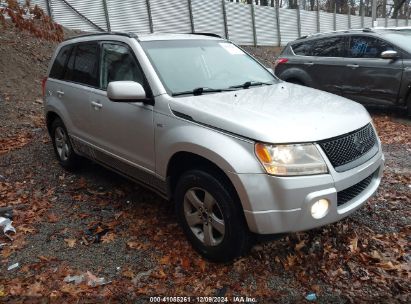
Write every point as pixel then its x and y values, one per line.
pixel 319 209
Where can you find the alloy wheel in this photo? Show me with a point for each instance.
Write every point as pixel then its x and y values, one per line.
pixel 204 216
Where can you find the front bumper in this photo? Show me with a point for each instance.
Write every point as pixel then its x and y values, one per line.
pixel 282 204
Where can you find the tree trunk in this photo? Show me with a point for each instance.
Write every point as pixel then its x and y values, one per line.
pixel 397 7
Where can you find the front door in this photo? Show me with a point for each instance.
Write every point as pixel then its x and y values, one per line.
pixel 122 130
pixel 368 78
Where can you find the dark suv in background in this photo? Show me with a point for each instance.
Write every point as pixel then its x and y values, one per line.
pixel 371 66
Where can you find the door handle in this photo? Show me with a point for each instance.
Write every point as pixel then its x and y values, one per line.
pixel 353 66
pixel 96 105
pixel 60 93
pixel 309 63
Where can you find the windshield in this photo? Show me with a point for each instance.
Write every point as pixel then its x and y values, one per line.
pixel 204 66
pixel 401 38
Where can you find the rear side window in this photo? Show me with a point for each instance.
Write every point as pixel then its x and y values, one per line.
pixel 57 70
pixel 82 66
pixel 367 47
pixel 330 47
pixel 302 48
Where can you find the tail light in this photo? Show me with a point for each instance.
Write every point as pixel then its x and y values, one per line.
pixel 43 86
pixel 280 61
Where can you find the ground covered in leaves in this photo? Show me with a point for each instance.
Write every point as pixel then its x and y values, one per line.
pixel 94 224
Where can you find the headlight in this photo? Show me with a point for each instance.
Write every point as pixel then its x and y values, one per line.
pixel 299 159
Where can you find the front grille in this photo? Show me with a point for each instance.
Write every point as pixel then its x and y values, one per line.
pixel 349 147
pixel 349 193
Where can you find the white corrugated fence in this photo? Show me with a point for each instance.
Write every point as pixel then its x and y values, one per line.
pixel 242 23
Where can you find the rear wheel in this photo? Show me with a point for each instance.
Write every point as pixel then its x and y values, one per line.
pixel 296 81
pixel 211 217
pixel 62 146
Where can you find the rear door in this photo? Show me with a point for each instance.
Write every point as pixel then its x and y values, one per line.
pixel 74 86
pixel 368 78
pixel 327 69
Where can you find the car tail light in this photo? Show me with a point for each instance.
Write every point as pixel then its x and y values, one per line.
pixel 43 86
pixel 280 61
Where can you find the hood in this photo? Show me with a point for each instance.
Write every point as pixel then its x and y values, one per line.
pixel 279 113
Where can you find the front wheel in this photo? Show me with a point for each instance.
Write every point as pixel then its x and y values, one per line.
pixel 211 217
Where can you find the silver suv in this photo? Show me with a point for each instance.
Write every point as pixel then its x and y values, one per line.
pixel 205 125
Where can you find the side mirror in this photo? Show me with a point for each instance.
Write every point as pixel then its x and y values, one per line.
pixel 125 91
pixel 389 55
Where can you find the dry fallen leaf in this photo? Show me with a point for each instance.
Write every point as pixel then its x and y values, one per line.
pixel 185 263
pixel 35 290
pixel 52 218
pixel 137 245
pixel 128 274
pixel 300 245
pixel 25 229
pixel 165 260
pixel 159 274
pixel 387 266
pixel 70 242
pixel 107 238
pixel 354 244
pixel 201 264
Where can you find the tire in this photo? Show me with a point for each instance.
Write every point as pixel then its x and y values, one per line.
pixel 296 81
pixel 409 105
pixel 211 217
pixel 63 148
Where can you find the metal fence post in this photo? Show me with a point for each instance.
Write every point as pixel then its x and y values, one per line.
pixel 349 17
pixel 150 19
pixel 335 16
pixel 225 19
pixel 253 23
pixel 190 11
pixel 277 18
pixel 49 11
pixel 362 17
pixel 298 19
pixel 107 16
pixel 373 11
pixel 318 18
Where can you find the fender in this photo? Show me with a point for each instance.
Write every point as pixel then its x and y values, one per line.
pixel 405 89
pixel 297 73
pixel 234 155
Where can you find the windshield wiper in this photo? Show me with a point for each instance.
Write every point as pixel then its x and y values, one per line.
pixel 248 84
pixel 200 91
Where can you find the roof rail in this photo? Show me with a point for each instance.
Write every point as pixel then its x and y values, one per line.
pixel 365 30
pixel 207 34
pixel 130 35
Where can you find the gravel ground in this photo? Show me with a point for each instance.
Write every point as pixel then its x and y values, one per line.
pixel 94 220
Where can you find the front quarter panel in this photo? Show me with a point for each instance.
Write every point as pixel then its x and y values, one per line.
pixel 230 153
pixel 405 83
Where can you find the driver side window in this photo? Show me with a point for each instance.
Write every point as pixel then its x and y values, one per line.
pixel 367 47
pixel 118 63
